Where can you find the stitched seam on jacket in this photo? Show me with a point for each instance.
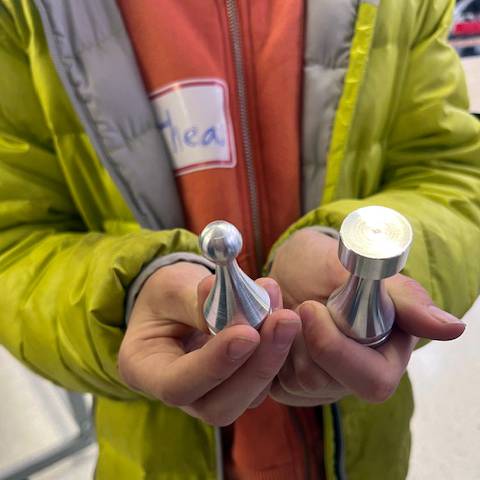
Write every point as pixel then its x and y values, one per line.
pixel 102 41
pixel 129 141
pixel 96 138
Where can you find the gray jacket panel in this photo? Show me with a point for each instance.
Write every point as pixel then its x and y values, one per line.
pixel 329 31
pixel 95 61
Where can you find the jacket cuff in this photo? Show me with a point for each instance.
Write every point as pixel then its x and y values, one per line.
pixel 156 264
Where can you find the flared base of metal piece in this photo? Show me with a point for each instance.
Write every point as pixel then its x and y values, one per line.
pixel 363 311
pixel 235 299
pixel 375 342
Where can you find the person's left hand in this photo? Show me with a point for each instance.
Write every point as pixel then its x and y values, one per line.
pixel 324 365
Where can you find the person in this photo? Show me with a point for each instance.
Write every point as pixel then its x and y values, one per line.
pixel 126 127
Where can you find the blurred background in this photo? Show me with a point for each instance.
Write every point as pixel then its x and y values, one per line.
pixel 465 37
pixel 38 419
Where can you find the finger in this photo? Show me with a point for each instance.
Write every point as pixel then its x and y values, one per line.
pixel 313 254
pixel 280 395
pixel 229 400
pixel 398 349
pixel 195 340
pixel 372 374
pixel 261 398
pixel 300 375
pixel 179 378
pixel 274 292
pixel 417 315
pixel 204 288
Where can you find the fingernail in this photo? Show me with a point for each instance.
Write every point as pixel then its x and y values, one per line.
pixel 239 348
pixel 284 333
pixel 443 316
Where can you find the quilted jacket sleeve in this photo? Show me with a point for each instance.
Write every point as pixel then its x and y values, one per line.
pixel 62 289
pixel 432 169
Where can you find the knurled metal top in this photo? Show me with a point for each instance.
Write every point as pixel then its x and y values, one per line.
pixel 374 242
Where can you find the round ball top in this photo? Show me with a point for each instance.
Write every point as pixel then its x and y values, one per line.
pixel 376 232
pixel 220 242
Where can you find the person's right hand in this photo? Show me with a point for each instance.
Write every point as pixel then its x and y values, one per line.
pixel 167 354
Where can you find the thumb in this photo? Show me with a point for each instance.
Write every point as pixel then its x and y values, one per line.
pixel 203 290
pixel 273 290
pixel 416 313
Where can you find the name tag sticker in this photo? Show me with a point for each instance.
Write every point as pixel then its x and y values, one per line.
pixel 194 119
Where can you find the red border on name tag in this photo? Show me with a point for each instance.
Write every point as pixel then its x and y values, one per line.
pixel 230 134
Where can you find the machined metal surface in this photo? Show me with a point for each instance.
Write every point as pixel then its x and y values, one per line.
pixel 235 298
pixel 374 244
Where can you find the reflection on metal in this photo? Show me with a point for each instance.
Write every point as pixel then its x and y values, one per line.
pixel 235 298
pixel 374 244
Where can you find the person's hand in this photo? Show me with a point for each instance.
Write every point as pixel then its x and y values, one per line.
pixel 307 267
pixel 167 354
pixel 324 365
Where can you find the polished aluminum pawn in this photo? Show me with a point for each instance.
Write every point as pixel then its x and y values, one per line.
pixel 374 244
pixel 235 298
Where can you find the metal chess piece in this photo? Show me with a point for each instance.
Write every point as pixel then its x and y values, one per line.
pixel 235 298
pixel 374 244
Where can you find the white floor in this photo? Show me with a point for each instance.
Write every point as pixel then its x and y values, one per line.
pixel 472 71
pixel 34 418
pixel 34 415
pixel 446 424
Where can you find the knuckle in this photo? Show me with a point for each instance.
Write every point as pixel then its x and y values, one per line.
pixel 125 366
pixel 312 381
pixel 413 286
pixel 167 390
pixel 278 389
pixel 287 382
pixel 170 396
pixel 217 417
pixel 321 347
pixel 266 373
pixel 216 374
pixel 259 400
pixel 382 390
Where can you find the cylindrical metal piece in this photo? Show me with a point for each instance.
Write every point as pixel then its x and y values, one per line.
pixel 235 298
pixel 374 244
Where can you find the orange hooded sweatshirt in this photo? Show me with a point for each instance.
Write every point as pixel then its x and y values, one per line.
pixel 224 79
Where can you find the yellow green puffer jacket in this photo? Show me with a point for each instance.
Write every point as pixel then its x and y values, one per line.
pixel 80 213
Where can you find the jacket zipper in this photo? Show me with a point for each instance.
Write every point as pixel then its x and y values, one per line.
pixel 339 458
pixel 234 29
